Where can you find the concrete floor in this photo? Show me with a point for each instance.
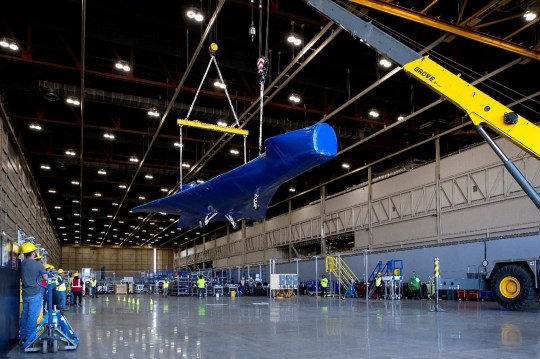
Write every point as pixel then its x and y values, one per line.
pixel 299 327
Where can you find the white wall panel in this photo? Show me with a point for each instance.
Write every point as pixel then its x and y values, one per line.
pixel 404 181
pixel 350 199
pixel 306 213
pixel 404 232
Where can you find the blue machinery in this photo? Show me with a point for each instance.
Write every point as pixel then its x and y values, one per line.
pixel 392 273
pixel 52 329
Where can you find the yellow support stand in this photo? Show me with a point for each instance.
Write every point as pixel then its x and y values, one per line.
pixel 211 127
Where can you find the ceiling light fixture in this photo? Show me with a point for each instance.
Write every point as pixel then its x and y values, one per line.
pixel 108 136
pixel 529 16
pixel 102 172
pixel 73 101
pixel 220 85
pixel 133 159
pixel 400 118
pixel 75 200
pixel 164 190
pixel 123 186
pixel 11 44
pixel 94 210
pixel 115 204
pixel 178 144
pixel 97 194
pixel 35 127
pixel 346 166
pixel 292 189
pixel 45 167
pixel 293 38
pixel 122 65
pixel 52 190
pixel 374 113
pixel 234 151
pixel 148 176
pixel 195 15
pixel 75 183
pixel 153 112
pixel 199 181
pixel 142 198
pixel 186 165
pixel 70 153
pixel 294 98
pixel 385 63
pixel 222 123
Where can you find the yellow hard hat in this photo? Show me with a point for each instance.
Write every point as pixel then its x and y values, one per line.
pixel 28 247
pixel 379 273
pixel 76 274
pixel 47 266
pixel 38 256
pixel 60 271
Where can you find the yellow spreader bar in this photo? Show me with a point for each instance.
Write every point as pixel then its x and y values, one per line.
pixel 211 127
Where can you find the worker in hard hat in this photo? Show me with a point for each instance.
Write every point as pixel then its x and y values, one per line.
pixel 324 286
pixel 93 287
pixel 61 289
pixel 379 285
pixel 77 288
pixel 31 290
pixel 39 258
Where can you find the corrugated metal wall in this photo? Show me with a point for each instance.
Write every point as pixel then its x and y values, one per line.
pixel 115 259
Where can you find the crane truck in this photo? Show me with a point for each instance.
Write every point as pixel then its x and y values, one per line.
pixel 515 282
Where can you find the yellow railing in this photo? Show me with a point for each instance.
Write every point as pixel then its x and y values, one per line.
pixel 339 269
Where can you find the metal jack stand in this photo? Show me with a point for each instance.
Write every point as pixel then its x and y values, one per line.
pixel 436 308
pixel 53 328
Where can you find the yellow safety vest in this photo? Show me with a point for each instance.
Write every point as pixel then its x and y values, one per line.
pixel 60 287
pixel 378 281
pixel 166 285
pixel 324 282
pixel 93 284
pixel 201 282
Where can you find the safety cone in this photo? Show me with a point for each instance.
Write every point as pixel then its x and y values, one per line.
pixel 137 301
pixel 151 301
pixel 124 299
pixel 107 299
pixel 129 300
pixel 117 299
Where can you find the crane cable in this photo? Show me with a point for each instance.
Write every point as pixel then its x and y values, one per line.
pixel 262 68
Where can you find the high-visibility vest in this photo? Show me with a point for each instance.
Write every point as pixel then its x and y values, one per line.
pixel 93 284
pixel 76 285
pixel 324 282
pixel 166 284
pixel 200 283
pixel 60 284
pixel 378 281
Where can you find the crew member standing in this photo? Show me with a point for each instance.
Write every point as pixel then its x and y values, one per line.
pixel 379 285
pixel 201 285
pixel 93 286
pixel 324 286
pixel 31 291
pixel 61 289
pixel 165 287
pixel 77 287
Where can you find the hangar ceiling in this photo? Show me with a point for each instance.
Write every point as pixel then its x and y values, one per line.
pixel 93 162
